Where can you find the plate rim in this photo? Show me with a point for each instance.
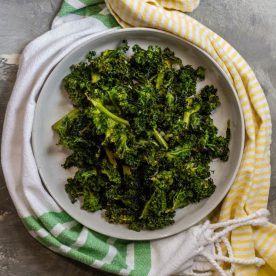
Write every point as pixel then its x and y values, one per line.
pixel 150 30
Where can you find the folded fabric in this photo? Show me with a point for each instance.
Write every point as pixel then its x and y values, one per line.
pixel 200 248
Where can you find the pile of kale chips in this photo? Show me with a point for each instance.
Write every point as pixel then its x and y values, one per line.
pixel 141 137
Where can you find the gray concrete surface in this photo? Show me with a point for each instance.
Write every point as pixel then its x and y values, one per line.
pixel 249 25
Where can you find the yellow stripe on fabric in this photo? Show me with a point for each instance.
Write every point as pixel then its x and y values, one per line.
pixel 267 248
pixel 185 6
pixel 249 250
pixel 158 18
pixel 263 234
pixel 243 251
pixel 247 270
pixel 240 187
pixel 261 203
pixel 203 35
pixel 176 26
pixel 244 255
pixel 259 178
pixel 125 14
pixel 242 234
pixel 140 8
pixel 259 184
pixel 242 240
pixel 237 195
pixel 242 231
pixel 251 201
pixel 195 34
pixel 149 13
pixel 263 239
pixel 269 259
pixel 157 15
pixel 216 56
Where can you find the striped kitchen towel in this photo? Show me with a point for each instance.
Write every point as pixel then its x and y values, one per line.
pixel 245 239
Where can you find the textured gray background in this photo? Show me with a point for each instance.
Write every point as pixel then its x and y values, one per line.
pixel 248 25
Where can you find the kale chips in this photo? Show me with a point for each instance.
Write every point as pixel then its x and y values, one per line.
pixel 140 135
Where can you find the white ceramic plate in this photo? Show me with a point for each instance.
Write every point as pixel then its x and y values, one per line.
pixel 53 104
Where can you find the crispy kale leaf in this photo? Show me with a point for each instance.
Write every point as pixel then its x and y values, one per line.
pixel 140 135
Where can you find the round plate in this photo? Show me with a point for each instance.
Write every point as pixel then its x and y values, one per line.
pixel 53 103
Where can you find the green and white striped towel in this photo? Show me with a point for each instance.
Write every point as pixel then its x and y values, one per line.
pixel 72 10
pixel 77 22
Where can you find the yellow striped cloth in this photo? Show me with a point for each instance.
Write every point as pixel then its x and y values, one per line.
pixel 251 187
